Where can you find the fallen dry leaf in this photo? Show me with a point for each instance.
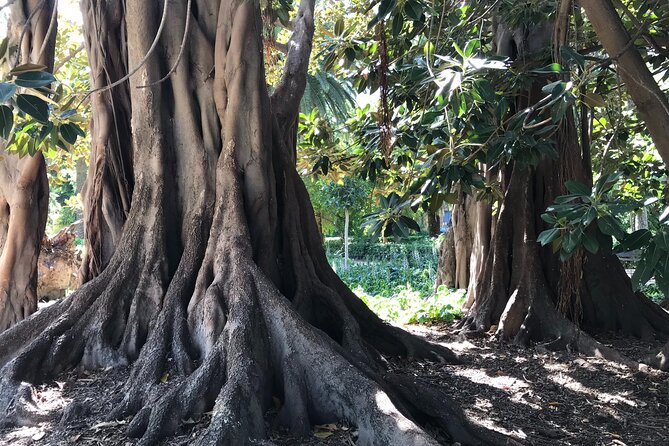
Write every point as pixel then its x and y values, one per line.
pixel 322 434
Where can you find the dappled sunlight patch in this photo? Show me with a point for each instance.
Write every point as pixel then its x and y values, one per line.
pixel 568 382
pixel 499 380
pixel 23 435
pixel 458 345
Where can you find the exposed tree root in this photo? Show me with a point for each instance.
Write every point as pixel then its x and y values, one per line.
pixel 251 344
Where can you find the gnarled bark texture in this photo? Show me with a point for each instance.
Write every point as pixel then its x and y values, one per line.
pixel 456 248
pixel 110 180
pixel 524 292
pixel 24 190
pixel 219 277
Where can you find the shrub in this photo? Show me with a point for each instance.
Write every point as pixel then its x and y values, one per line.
pixel 409 307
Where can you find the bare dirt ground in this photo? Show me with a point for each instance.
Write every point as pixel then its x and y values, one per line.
pixel 534 395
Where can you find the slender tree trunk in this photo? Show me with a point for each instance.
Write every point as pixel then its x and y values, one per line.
pixel 456 250
pixel 446 267
pixel 219 277
pixel 650 100
pixel 433 223
pixel 347 215
pixel 24 190
pixel 640 220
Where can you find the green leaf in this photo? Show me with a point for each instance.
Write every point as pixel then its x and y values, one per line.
pixel 549 69
pixel 570 242
pixel 6 121
pixel 413 10
pixel 572 55
pixel 590 243
pixel 578 188
pixel 471 46
pixel 3 47
pixel 385 7
pixel 549 218
pixel 6 91
pixel 410 223
pixel 34 79
pixel 284 16
pixel 662 240
pixel 33 106
pixel 610 226
pixel 548 236
pixel 339 27
pixel 637 239
pixel 397 25
pixel 79 130
pixel 68 133
pixel 664 214
pixel 646 266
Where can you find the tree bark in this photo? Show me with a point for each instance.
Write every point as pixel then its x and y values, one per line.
pixel 456 249
pixel 24 190
pixel 524 293
pixel 650 100
pixel 433 223
pixel 110 181
pixel 220 278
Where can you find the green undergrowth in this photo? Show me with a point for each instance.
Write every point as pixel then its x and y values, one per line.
pixel 400 291
pixel 410 307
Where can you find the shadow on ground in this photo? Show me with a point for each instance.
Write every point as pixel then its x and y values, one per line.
pixel 534 395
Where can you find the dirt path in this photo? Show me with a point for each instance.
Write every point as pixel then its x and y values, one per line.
pixel 538 397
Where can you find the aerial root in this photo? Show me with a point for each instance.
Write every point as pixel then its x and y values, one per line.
pixel 17 404
pixel 660 360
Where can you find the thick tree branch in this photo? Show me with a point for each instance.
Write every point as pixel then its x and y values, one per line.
pixel 646 35
pixel 650 100
pixel 286 99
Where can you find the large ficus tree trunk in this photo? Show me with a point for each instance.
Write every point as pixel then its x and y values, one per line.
pixel 24 189
pixel 523 292
pixel 219 278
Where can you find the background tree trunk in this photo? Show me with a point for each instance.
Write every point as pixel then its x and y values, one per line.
pixel 433 223
pixel 24 189
pixel 347 215
pixel 521 286
pixel 456 249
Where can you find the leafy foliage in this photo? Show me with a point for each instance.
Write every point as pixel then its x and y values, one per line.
pixel 409 307
pixel 33 116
